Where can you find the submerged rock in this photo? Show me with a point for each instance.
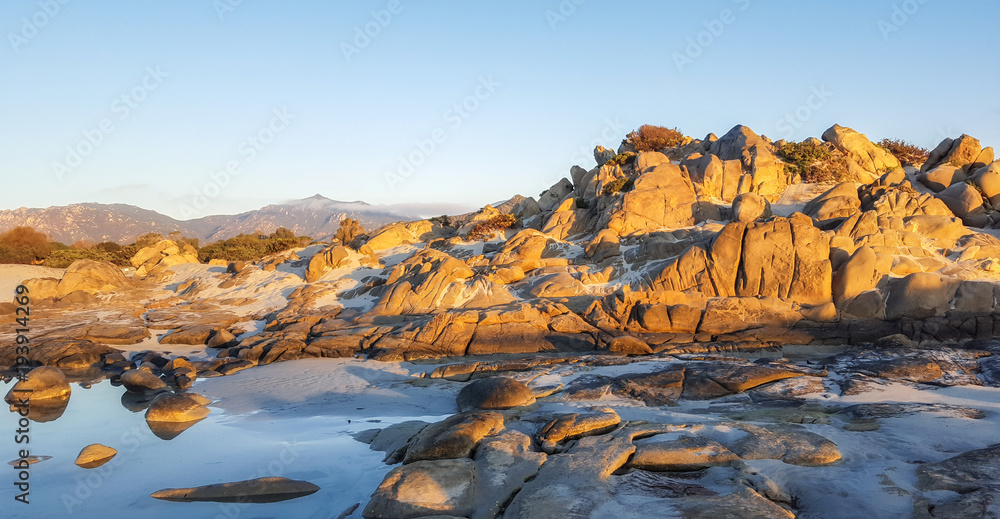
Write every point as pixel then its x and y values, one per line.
pixel 260 490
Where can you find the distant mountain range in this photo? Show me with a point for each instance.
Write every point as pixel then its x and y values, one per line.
pixel 316 216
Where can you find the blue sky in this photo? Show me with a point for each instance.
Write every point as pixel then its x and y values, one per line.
pixel 449 102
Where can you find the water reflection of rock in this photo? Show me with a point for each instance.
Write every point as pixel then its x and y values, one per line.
pixel 136 402
pixel 170 430
pixel 47 412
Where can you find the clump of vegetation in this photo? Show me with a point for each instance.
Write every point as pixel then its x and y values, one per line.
pixel 349 229
pixel 486 228
pixel 652 138
pixel 23 245
pixel 618 185
pixel 622 159
pixel 252 247
pixel 907 154
pixel 444 220
pixel 582 203
pixel 813 162
pixel 63 258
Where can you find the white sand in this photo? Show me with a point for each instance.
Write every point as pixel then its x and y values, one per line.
pixel 13 275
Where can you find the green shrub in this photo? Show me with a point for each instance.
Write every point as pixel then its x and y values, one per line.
pixel 250 247
pixel 618 185
pixel 582 203
pixel 813 162
pixel 148 239
pixel 24 245
pixel 652 138
pixel 483 230
pixel 349 229
pixel 64 257
pixel 623 158
pixel 907 154
pixel 17 255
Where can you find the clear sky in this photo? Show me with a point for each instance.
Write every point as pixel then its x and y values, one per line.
pixel 149 102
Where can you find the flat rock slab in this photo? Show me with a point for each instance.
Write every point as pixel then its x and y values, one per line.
pixel 260 490
pixel 964 473
pixel 791 444
pixel 744 504
pixel 940 366
pixel 685 454
pixel 454 437
pixel 658 485
pixel 974 475
pixel 598 420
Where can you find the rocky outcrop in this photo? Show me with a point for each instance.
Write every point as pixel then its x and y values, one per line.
pixel 662 197
pixel 964 152
pixel 163 254
pixel 871 158
pixel 92 277
pixel 787 258
pixel 426 281
pixel 405 233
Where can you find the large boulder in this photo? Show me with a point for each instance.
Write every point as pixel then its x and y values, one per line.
pixel 425 282
pixel 454 437
pixel 425 489
pixel 718 178
pixel 961 153
pixel 142 381
pixel 857 275
pixel 553 196
pixel 43 384
pixel 858 148
pixel 328 259
pixel 662 198
pixel 788 258
pixel 988 181
pixel 839 201
pixel 735 142
pixel 164 252
pixel 92 277
pixel 939 178
pixel 920 295
pixel 405 233
pixel 750 207
pixel 494 393
pixel 967 203
pixel 42 288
